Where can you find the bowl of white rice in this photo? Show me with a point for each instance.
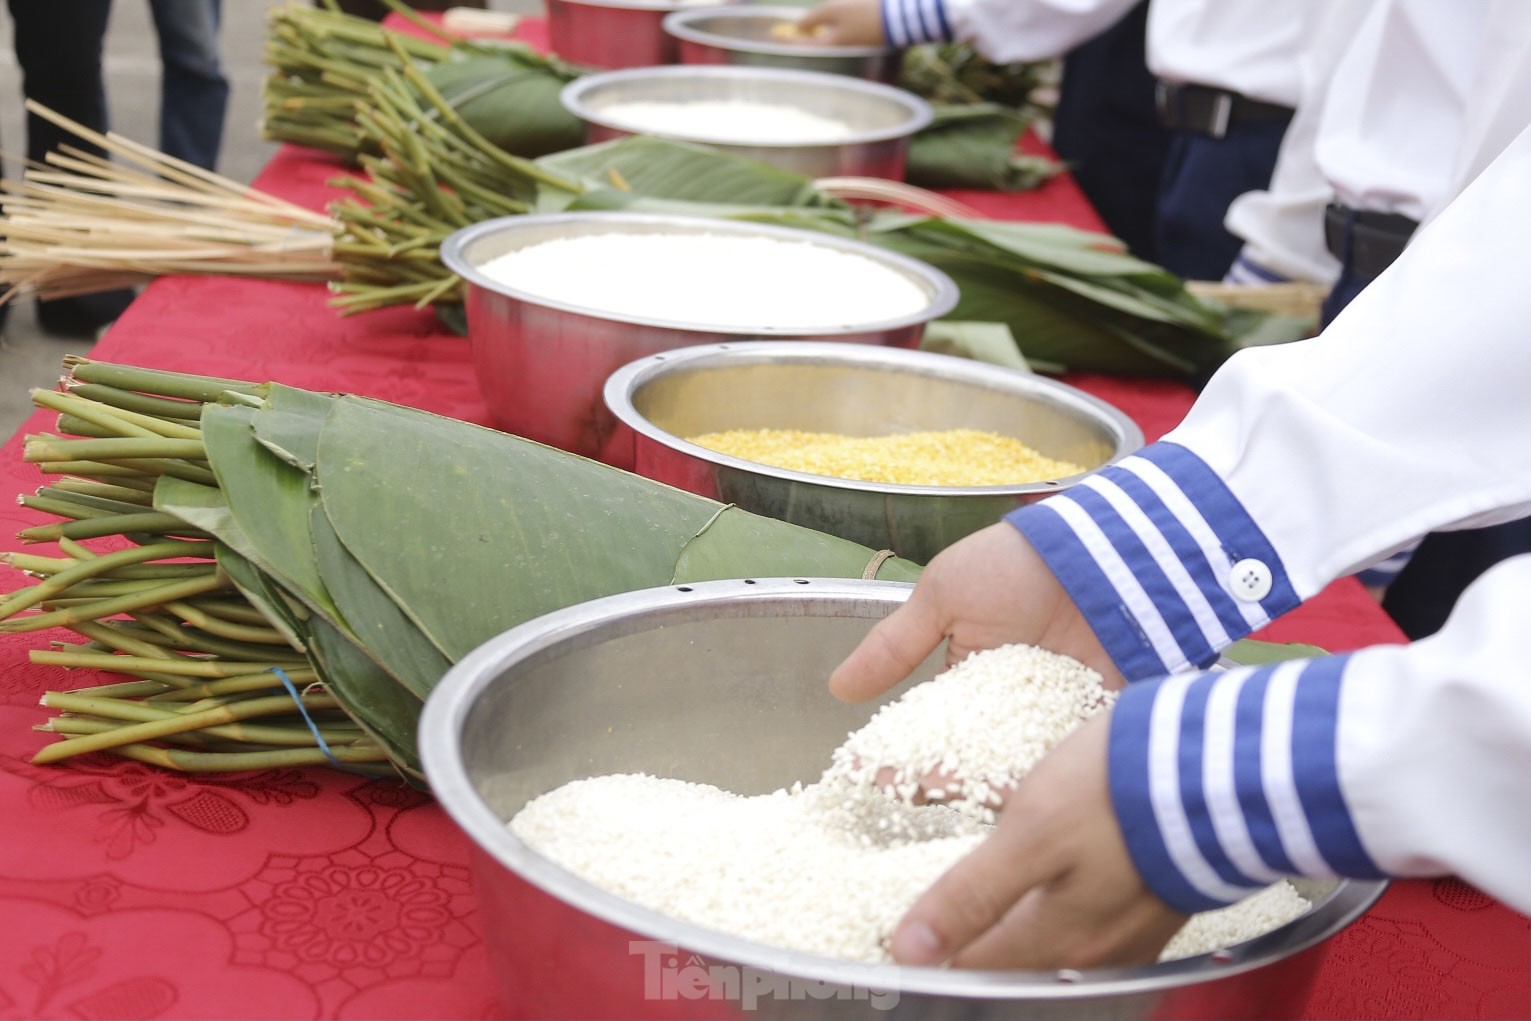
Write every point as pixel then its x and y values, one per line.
pixel 614 33
pixel 763 35
pixel 809 122
pixel 662 824
pixel 890 448
pixel 557 302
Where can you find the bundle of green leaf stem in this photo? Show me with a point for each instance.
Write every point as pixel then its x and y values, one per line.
pixel 279 574
pixel 323 63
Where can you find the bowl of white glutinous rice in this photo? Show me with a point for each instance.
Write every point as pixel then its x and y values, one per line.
pixel 809 122
pixel 558 302
pixel 660 792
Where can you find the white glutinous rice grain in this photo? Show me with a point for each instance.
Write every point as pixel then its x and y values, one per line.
pixel 983 724
pixel 722 280
pixel 830 868
pixel 737 121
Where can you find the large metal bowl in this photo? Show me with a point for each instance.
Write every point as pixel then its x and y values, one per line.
pixel 724 683
pixel 881 118
pixel 541 364
pixel 612 33
pixel 743 35
pixel 854 391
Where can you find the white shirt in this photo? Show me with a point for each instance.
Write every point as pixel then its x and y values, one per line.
pixel 1401 107
pixel 1411 413
pixel 1245 46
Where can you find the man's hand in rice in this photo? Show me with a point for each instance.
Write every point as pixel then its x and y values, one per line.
pixel 989 589
pixel 1052 887
pixel 844 23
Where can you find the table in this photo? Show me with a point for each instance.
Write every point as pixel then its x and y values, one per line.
pixel 130 892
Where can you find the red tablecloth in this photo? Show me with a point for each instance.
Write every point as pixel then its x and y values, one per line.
pixel 128 892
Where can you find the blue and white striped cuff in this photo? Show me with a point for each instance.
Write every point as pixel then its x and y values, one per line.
pixel 1247 271
pixel 1162 559
pixel 908 22
pixel 1384 572
pixel 1224 782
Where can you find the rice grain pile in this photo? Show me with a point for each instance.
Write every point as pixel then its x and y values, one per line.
pixel 737 121
pixel 724 280
pixel 946 457
pixel 831 867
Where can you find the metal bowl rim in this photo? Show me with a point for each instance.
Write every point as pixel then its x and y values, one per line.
pixel 942 300
pixel 919 112
pixel 623 384
pixel 679 24
pixel 440 731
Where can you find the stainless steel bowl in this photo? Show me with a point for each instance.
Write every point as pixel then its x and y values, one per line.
pixel 724 683
pixel 854 391
pixel 743 35
pixel 611 33
pixel 881 117
pixel 541 364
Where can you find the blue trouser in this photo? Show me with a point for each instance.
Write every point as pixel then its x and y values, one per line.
pixel 1421 594
pixel 1202 176
pixel 1107 127
pixel 58 45
pixel 194 94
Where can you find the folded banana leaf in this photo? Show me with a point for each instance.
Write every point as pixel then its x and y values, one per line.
pixel 509 94
pixel 956 74
pixel 974 146
pixel 377 543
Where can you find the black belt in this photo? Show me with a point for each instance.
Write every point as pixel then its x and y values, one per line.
pixel 1202 108
pixel 1366 242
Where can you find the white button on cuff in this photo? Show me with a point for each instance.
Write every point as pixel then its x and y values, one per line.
pixel 1250 580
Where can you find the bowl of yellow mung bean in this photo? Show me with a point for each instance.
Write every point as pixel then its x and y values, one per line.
pixel 894 449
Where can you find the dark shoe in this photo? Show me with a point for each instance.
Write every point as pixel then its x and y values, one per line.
pixel 84 315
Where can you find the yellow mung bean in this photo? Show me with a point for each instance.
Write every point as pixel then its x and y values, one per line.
pixel 950 457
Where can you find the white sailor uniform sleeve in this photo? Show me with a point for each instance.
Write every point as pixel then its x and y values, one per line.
pixel 1411 413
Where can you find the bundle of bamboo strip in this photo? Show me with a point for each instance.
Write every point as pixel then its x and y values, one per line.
pixel 84 223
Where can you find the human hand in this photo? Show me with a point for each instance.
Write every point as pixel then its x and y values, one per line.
pixel 987 590
pixel 844 23
pixel 1052 887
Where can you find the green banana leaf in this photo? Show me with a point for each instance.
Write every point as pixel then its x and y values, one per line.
pixel 982 342
pixel 372 618
pixel 973 146
pixel 268 499
pixel 288 424
pixel 515 529
pixel 738 544
pixel 384 709
pixel 284 614
pixel 661 169
pixel 510 96
pixel 1250 652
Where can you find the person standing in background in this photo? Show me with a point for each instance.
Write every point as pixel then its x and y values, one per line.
pixel 1106 125
pixel 58 46
pixel 194 93
pixel 1226 80
pixel 1199 786
pixel 1401 109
